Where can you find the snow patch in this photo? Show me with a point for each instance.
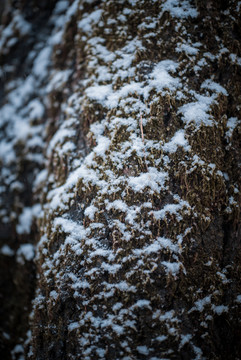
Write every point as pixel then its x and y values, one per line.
pixel 153 179
pixel 6 250
pixel 180 9
pixel 25 252
pixel 26 218
pixel 177 140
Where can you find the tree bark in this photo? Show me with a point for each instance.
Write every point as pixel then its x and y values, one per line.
pixel 120 179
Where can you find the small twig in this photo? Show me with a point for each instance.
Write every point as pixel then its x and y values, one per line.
pixel 141 126
pixel 143 140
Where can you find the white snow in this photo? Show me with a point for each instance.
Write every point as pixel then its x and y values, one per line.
pixel 103 144
pixel 59 137
pixel 172 268
pixel 238 299
pixel 18 352
pixel 231 125
pixel 36 109
pixel 200 304
pixel 90 211
pixel 25 252
pixel 143 350
pixel 21 24
pixel 99 92
pixel 61 6
pixel 159 244
pixel 177 140
pixel 112 269
pixel 219 309
pixel 58 80
pixel 26 218
pixel 117 306
pixel 162 78
pixel 161 338
pixel 235 59
pixel 25 221
pixel 7 154
pixel 198 352
pixel 209 84
pixel 118 205
pixel 40 178
pixel 53 294
pixel 197 111
pixel 185 340
pixel 153 179
pixel 87 22
pixel 76 230
pixel 42 62
pixel 142 303
pixel 172 209
pixel 6 250
pixel 180 9
pixel 73 326
pixel 187 48
pixel 114 97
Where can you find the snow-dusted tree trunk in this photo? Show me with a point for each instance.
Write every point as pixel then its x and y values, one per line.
pixel 120 179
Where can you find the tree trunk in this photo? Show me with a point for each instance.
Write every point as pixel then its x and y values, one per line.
pixel 120 179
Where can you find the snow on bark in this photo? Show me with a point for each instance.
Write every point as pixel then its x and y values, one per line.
pixel 129 119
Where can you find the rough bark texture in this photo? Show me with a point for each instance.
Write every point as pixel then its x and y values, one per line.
pixel 120 179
